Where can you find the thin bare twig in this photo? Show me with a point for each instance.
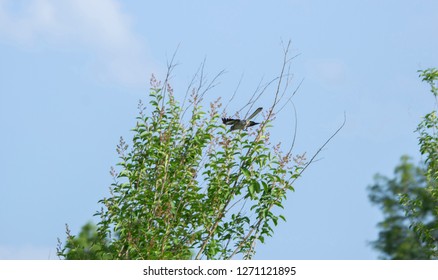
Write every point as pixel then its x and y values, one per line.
pixel 290 98
pixel 295 130
pixel 320 149
pixel 234 93
pixel 170 66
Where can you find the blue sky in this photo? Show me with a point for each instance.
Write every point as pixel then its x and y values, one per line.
pixel 72 73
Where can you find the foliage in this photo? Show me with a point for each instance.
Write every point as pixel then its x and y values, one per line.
pixel 428 141
pixel 410 201
pixel 190 189
pixel 177 193
pixel 85 246
pixel 396 239
pixel 430 76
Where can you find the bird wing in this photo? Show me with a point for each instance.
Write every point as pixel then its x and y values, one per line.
pixel 255 113
pixel 228 121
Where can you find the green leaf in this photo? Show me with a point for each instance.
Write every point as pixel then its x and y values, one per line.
pixel 251 191
pixel 245 172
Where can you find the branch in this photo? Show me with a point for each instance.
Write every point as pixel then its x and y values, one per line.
pixel 320 148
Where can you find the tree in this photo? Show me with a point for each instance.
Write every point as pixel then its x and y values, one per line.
pixel 427 232
pixel 396 239
pixel 191 189
pixel 410 201
pixel 85 246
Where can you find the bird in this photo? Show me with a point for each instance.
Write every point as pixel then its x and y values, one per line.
pixel 241 124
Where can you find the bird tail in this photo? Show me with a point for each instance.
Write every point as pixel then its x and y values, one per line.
pixel 255 113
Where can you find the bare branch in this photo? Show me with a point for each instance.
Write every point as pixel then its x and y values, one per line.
pixel 170 66
pixel 290 98
pixel 320 149
pixel 234 93
pixel 295 130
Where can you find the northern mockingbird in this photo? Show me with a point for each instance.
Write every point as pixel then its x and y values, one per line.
pixel 241 124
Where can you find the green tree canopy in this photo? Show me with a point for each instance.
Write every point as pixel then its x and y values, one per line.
pixel 188 188
pixel 409 202
pixel 85 246
pixel 396 239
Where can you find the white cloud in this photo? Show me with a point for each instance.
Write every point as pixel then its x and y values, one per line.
pixel 98 26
